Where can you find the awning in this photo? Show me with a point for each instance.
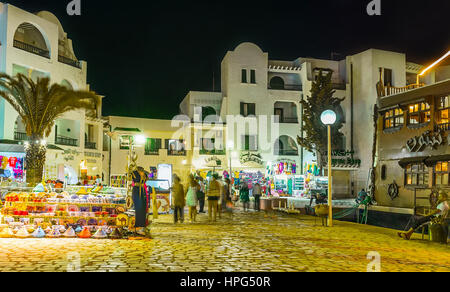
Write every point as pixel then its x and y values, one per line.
pixel 18 147
pixel 431 161
pixel 127 130
pixel 407 161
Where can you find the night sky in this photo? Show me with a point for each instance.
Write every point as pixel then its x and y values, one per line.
pixel 144 56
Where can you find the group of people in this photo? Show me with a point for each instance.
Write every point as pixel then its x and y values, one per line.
pixel 219 197
pixel 196 193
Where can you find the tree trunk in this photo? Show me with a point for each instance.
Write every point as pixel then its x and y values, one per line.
pixel 35 161
pixel 320 162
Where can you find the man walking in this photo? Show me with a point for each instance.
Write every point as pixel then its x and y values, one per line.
pixel 257 191
pixel 213 194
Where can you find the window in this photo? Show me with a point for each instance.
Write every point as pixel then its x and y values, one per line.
pixel 441 174
pixel 416 175
pixel 124 142
pixel 248 109
pixel 175 147
pixel 249 143
pixel 443 108
pixel 209 147
pixel 253 77
pixel 244 76
pixel 383 172
pixel 152 146
pixel 388 77
pixel 393 119
pixel 419 113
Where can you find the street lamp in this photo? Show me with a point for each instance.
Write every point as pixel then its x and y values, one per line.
pixel 328 118
pixel 431 66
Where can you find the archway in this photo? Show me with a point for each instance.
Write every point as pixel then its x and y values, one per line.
pixel 29 38
pixel 277 83
pixel 285 146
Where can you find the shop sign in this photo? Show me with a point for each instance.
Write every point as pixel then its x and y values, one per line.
pixel 69 155
pixel 432 140
pixel 213 160
pixel 251 157
pixel 344 158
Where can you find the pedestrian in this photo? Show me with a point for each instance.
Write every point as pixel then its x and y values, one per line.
pixel 257 192
pixel 139 196
pixel 227 200
pixel 201 194
pixel 191 198
pixel 178 200
pixel 213 194
pixel 244 195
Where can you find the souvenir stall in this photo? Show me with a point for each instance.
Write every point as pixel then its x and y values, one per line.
pixel 12 166
pixel 284 179
pixel 76 212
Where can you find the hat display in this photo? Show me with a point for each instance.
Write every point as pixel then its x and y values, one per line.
pixel 100 234
pixel 70 233
pixel 38 233
pixel 55 233
pixel 7 233
pixel 85 233
pixel 116 234
pixel 22 233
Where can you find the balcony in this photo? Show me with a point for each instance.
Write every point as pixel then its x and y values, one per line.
pixel 212 152
pixel 287 87
pixel 443 127
pixel 90 145
pixel 18 136
pixel 70 62
pixel 288 120
pixel 176 152
pixel 391 90
pixel 31 49
pixel 286 152
pixel 65 141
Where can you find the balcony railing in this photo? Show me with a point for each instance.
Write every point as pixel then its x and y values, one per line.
pixel 90 145
pixel 211 152
pixel 443 127
pixel 68 61
pixel 390 90
pixel 31 49
pixel 288 152
pixel 291 87
pixel 19 136
pixel 151 153
pixel 66 141
pixel 288 121
pixel 176 152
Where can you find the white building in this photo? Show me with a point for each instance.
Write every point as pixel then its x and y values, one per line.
pixel 37 46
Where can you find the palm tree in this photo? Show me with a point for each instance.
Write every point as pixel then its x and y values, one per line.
pixel 39 104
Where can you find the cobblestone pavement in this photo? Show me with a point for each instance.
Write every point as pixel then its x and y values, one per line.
pixel 245 242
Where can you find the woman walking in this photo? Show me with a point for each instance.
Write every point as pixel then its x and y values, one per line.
pixel 244 195
pixel 178 200
pixel 191 198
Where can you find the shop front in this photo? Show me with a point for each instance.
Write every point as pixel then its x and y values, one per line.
pixel 413 149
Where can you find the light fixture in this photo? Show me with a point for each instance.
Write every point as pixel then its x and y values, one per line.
pixel 140 139
pixel 434 64
pixel 328 117
pixel 43 142
pixel 184 162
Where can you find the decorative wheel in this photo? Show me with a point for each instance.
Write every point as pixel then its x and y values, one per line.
pixel 129 202
pixel 393 190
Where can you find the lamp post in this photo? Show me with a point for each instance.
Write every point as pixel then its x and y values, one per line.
pixel 328 118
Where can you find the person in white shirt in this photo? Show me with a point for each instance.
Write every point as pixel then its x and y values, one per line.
pixel 441 210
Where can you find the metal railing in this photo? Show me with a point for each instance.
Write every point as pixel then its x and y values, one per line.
pixel 19 136
pixel 283 152
pixel 176 152
pixel 90 145
pixel 66 141
pixel 31 49
pixel 288 121
pixel 211 152
pixel 70 62
pixel 291 87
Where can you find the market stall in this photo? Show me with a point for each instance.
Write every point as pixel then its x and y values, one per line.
pixel 76 212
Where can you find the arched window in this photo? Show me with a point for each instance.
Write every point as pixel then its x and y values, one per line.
pixel 67 84
pixel 277 83
pixel 29 38
pixel 285 146
pixel 208 111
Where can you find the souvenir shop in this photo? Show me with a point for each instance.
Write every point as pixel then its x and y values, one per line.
pixel 285 179
pixel 76 212
pixel 12 166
